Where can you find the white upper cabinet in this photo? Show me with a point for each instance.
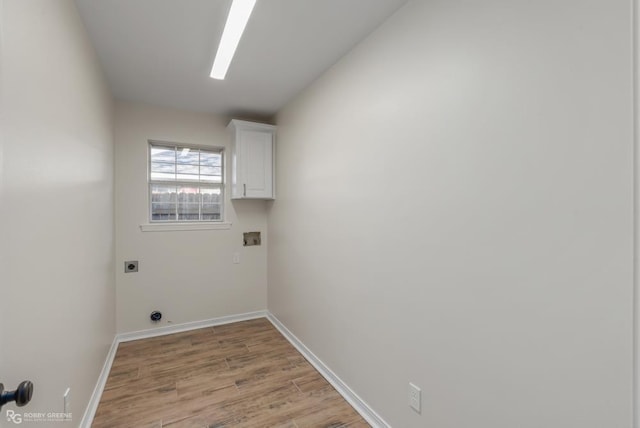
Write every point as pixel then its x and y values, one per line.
pixel 252 155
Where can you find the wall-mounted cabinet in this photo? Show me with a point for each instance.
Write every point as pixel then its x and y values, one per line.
pixel 252 156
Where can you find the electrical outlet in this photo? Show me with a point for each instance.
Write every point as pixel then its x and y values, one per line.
pixel 415 397
pixel 131 266
pixel 67 400
pixel 236 258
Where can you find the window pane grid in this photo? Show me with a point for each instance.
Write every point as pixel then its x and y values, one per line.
pixel 178 202
pixel 185 164
pixel 185 184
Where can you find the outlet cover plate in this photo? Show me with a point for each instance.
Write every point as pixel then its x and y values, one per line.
pixel 415 397
pixel 131 266
pixel 67 401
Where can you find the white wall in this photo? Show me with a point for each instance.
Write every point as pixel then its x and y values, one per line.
pixel 455 209
pixel 187 275
pixel 57 314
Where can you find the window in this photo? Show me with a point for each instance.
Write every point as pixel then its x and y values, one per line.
pixel 185 183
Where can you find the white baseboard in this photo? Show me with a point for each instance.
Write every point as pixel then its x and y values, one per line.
pixel 347 393
pixel 90 411
pixel 178 328
pixel 352 398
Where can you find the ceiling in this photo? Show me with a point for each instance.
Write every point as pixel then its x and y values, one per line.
pixel 160 51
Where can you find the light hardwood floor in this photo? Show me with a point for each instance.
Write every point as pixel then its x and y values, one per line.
pixel 244 374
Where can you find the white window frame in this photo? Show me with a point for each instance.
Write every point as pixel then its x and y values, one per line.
pixel 162 225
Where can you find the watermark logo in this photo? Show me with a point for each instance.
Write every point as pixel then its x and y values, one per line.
pixel 14 417
pixel 18 418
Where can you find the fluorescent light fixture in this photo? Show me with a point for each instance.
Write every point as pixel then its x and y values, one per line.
pixel 233 29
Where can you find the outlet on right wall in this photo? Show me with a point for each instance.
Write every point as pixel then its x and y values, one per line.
pixel 455 210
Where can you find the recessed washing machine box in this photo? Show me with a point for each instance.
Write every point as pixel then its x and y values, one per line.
pixel 251 238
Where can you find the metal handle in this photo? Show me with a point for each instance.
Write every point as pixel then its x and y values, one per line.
pixel 244 186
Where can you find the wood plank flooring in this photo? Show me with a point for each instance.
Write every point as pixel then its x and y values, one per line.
pixel 244 374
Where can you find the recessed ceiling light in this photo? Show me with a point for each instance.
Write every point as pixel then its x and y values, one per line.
pixel 233 29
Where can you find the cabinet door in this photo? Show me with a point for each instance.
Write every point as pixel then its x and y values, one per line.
pixel 257 159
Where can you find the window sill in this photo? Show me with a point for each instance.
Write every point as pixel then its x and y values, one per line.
pixel 173 227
